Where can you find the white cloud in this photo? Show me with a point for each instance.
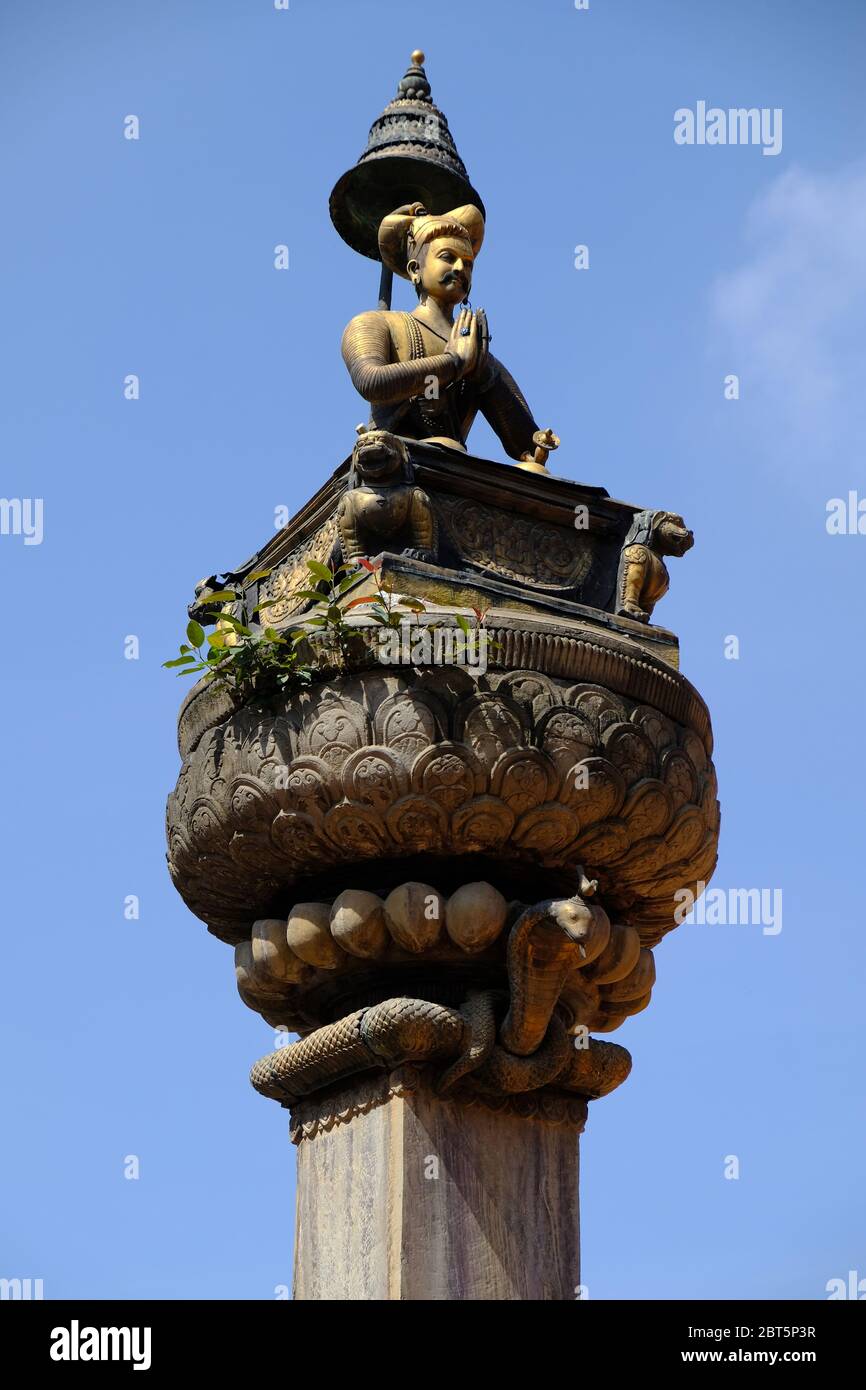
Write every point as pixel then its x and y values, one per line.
pixel 792 318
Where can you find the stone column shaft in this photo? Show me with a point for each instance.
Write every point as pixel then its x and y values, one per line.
pixel 405 1196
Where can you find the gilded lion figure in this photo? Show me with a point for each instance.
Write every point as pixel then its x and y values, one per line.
pixel 384 509
pixel 643 578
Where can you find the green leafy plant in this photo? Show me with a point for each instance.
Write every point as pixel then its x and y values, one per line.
pixel 467 628
pixel 329 612
pixel 257 660
pixel 382 606
pixel 249 658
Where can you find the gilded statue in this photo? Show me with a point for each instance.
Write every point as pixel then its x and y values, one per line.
pixel 383 503
pixel 427 374
pixel 643 577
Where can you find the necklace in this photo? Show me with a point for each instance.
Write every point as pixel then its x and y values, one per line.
pixel 430 416
pixel 429 329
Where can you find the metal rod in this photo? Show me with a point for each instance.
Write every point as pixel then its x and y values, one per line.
pixel 385 286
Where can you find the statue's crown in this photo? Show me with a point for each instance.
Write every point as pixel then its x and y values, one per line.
pixel 404 231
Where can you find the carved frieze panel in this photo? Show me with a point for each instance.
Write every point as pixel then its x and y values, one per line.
pixel 516 547
pixel 292 575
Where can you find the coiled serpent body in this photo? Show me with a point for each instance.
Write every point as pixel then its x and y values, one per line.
pixel 543 945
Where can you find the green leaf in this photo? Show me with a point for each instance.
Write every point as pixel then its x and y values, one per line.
pixel 347 581
pixel 236 624
pixel 184 648
pixel 310 593
pixel 320 571
pixel 216 639
pixel 273 636
pixel 195 632
pixel 462 623
pixel 223 596
pixel 257 574
pixel 414 605
pixel 191 670
pixel 180 661
pixel 317 622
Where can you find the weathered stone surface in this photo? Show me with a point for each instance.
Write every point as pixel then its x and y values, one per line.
pixel 530 1054
pixel 273 958
pixel 475 916
pixel 358 923
pixel 414 914
pixel 404 1196
pixel 619 957
pixel 296 994
pixel 309 936
pixel 514 765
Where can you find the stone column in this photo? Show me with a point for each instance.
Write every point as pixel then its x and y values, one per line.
pixel 447 873
pixel 402 1195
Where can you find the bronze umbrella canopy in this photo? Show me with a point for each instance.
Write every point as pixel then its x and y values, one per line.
pixel 410 157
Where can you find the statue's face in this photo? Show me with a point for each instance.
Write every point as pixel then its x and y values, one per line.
pixel 377 457
pixel 445 265
pixel 674 537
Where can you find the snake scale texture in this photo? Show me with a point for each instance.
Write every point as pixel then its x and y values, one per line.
pixel 534 1048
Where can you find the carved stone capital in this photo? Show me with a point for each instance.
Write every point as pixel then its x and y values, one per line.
pixel 462 864
pixel 606 765
pixel 326 1111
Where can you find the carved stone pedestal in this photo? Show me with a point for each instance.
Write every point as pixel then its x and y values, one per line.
pixel 402 1195
pixel 446 869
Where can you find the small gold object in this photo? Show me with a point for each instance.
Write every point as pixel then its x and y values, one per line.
pixel 545 442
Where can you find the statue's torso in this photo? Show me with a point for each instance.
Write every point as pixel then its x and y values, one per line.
pixel 401 366
pixel 444 412
pixel 385 508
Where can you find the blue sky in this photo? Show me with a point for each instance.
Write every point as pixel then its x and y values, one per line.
pixel 155 257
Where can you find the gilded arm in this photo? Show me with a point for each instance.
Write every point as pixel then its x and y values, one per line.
pixel 367 351
pixel 506 411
